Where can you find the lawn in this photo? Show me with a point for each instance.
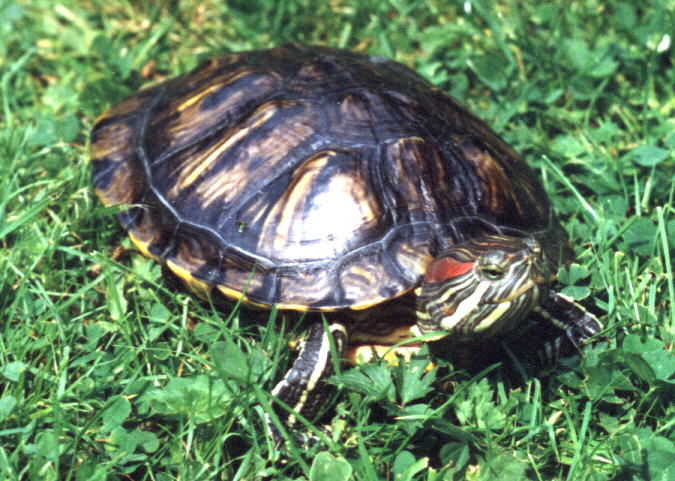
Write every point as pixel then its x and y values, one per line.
pixel 109 370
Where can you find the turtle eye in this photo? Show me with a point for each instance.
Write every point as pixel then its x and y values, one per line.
pixel 493 265
pixel 492 271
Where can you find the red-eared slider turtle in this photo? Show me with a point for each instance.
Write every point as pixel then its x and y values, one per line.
pixel 317 179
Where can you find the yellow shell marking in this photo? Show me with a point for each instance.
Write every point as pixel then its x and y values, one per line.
pixel 316 216
pixel 281 218
pixel 142 246
pixel 238 295
pixel 192 120
pixel 369 303
pixel 240 170
pixel 196 98
pixel 114 143
pixel 218 84
pixel 199 287
pixel 201 163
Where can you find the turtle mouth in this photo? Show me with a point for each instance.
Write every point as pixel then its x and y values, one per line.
pixel 527 286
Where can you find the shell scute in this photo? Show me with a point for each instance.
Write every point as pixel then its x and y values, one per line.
pixel 178 121
pixel 327 185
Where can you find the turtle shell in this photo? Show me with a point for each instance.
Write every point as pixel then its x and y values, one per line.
pixel 307 177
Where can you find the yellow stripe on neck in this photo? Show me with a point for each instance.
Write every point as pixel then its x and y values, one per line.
pixel 465 307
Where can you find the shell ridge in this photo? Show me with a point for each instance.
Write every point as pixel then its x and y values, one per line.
pixel 324 262
pixel 142 156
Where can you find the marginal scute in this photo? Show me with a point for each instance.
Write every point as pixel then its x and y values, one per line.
pixel 142 247
pixel 201 288
pixel 198 254
pixel 118 177
pixel 145 230
pixel 310 287
pixel 368 279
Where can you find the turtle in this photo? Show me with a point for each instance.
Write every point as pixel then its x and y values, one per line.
pixel 316 179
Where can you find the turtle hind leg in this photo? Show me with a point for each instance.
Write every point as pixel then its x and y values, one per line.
pixel 303 388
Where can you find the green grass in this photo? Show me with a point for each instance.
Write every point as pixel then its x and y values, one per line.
pixel 110 371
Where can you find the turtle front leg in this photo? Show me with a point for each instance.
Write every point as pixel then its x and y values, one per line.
pixel 302 388
pixel 572 317
pixel 578 325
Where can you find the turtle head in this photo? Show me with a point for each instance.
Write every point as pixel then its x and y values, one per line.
pixel 483 286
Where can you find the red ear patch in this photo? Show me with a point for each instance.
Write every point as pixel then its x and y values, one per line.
pixel 447 268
